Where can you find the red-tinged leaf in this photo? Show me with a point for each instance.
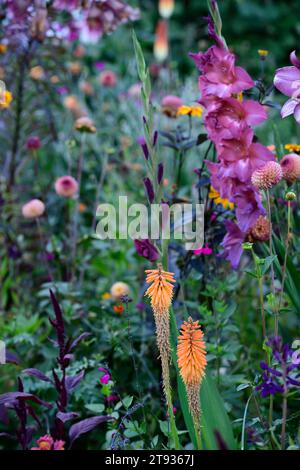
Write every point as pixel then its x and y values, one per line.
pixel 85 426
pixel 78 340
pixel 11 397
pixel 38 374
pixel 6 434
pixel 72 382
pixel 64 417
pixel 12 358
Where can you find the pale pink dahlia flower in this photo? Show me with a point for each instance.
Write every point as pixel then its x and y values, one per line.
pixel 33 209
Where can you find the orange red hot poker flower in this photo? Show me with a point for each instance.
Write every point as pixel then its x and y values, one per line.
pixel 161 289
pixel 192 363
pixel 191 352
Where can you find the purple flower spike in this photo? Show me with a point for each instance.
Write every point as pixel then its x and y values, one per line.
pixel 283 373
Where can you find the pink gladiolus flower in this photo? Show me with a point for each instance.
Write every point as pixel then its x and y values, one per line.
pixel 108 78
pixel 203 251
pixel 66 186
pixel 248 207
pixel 226 118
pixel 287 80
pixel 33 209
pixel 220 77
pixel 242 157
pixel 232 244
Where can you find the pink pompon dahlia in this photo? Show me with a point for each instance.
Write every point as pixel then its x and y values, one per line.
pixel 33 209
pixel 66 186
pixel 108 78
pixel 287 80
pixel 267 176
pixel 290 165
pixel 260 230
pixel 170 105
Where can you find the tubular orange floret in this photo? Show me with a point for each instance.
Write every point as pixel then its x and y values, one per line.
pixel 161 289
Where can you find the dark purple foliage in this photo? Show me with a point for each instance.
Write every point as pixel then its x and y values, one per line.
pixel 38 374
pixel 85 426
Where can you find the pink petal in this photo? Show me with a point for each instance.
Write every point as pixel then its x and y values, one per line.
pixel 288 108
pixel 255 112
pixel 285 79
pixel 243 80
pixel 297 113
pixel 295 61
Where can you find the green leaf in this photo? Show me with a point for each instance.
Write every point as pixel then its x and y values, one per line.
pixel 292 278
pixel 141 65
pixel 214 416
pixel 127 401
pixel 267 263
pixel 95 407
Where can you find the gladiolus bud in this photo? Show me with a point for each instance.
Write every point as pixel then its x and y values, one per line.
pixel 149 189
pixel 160 172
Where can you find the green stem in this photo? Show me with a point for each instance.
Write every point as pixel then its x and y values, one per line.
pixel 272 267
pixel 287 241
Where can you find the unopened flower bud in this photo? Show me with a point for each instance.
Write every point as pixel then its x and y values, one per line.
pixel 160 172
pixel 149 189
pixel 290 196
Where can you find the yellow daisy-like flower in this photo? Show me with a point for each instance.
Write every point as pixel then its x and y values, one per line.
pixel 3 48
pixel 293 147
pixel 194 111
pixel 263 52
pixel 106 296
pixel 5 99
pixel 215 196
